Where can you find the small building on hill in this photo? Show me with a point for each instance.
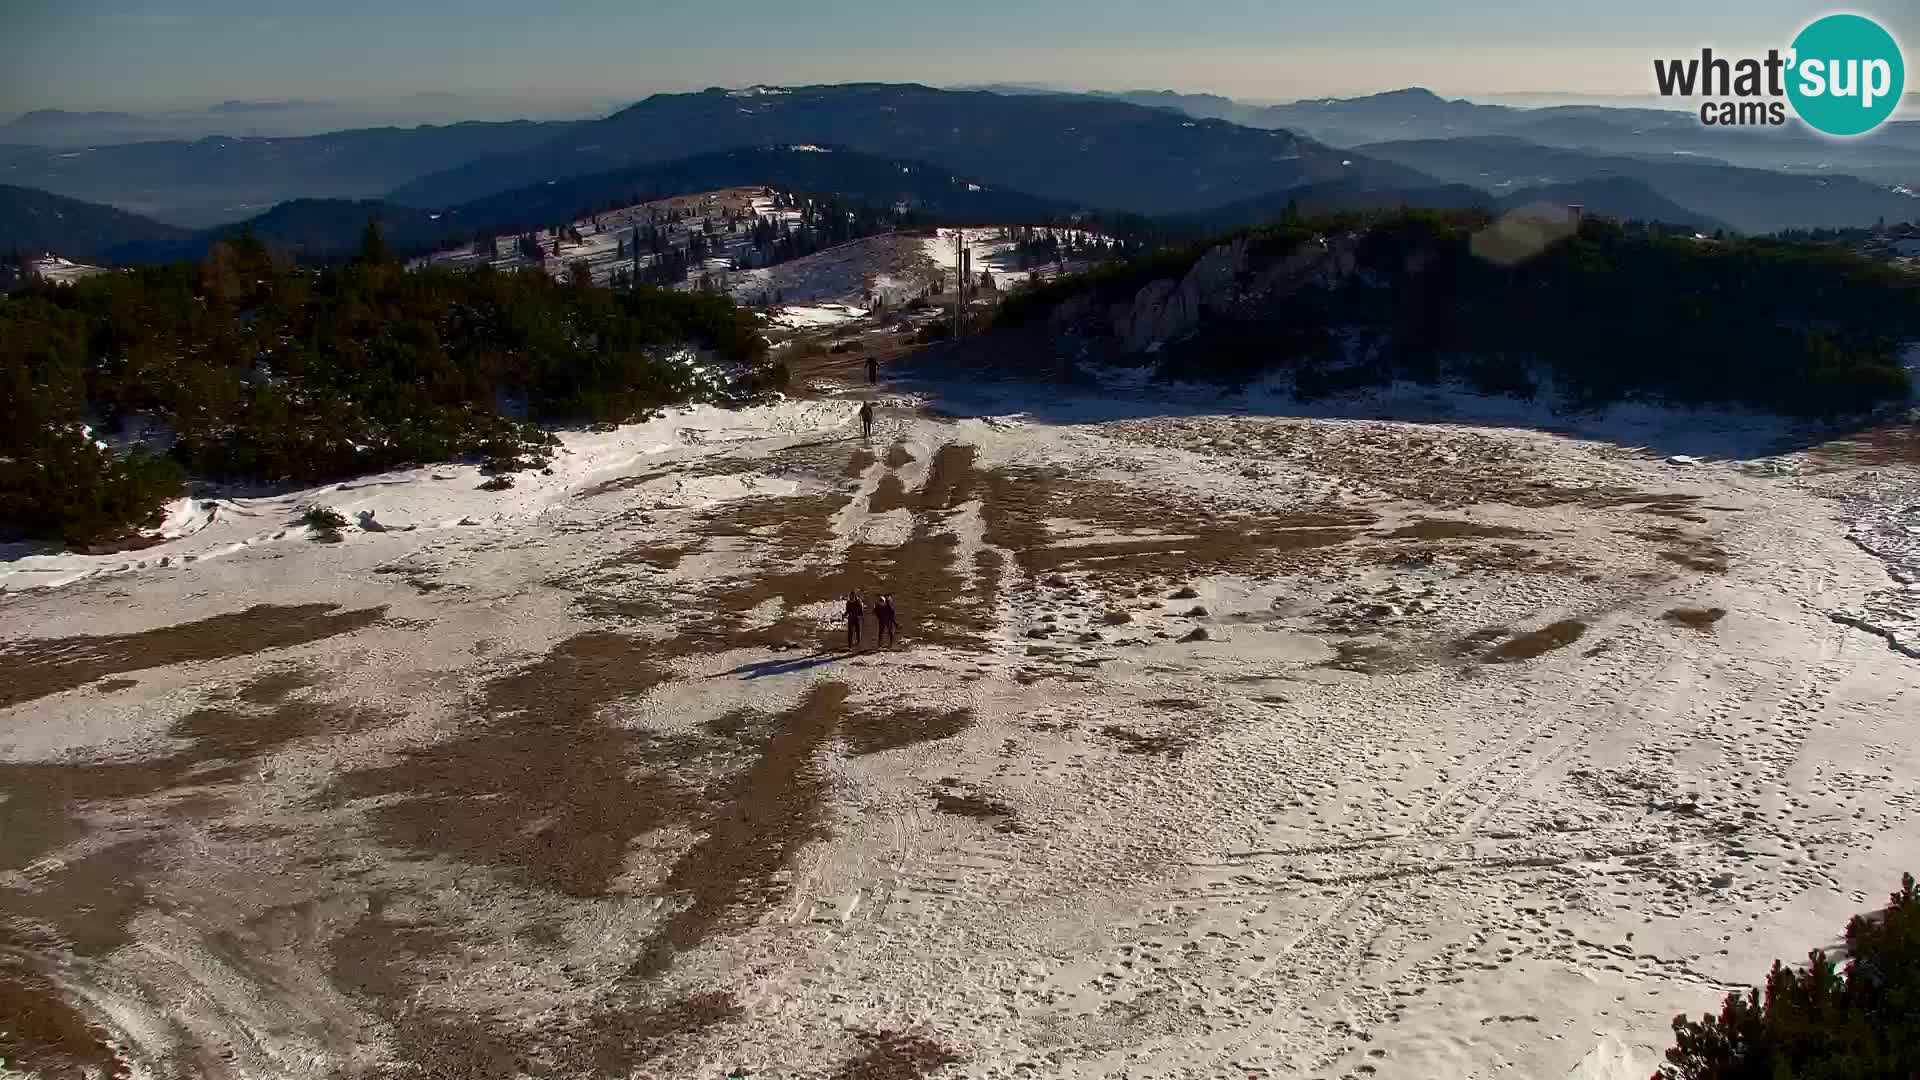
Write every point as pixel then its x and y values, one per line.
pixel 59 271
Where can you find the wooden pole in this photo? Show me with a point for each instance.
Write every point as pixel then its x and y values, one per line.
pixel 959 283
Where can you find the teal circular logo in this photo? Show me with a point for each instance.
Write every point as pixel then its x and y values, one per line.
pixel 1847 75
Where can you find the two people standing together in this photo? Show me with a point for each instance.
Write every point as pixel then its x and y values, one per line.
pixel 883 614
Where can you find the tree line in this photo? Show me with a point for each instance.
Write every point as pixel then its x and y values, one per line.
pixel 1608 312
pixel 256 370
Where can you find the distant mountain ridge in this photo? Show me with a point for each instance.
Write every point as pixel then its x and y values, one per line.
pixel 42 117
pixel 1159 152
pixel 217 179
pixel 1890 156
pixel 35 222
pixel 283 118
pixel 1074 148
pixel 1750 200
pixel 331 228
pixel 1620 198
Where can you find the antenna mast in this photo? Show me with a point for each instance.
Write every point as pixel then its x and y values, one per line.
pixel 959 277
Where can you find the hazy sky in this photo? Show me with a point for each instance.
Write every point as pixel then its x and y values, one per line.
pixel 144 54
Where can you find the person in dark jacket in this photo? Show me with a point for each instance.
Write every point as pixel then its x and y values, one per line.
pixel 856 614
pixel 866 417
pixel 873 370
pixel 889 619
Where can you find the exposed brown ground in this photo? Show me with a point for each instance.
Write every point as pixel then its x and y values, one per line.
pixel 1210 537
pixel 874 730
pixel 1478 641
pixel 44 1036
pixel 714 465
pixel 1701 619
pixel 891 1055
pixel 1163 743
pixel 792 535
pixel 546 789
pixel 950 481
pixel 1683 549
pixel 1890 444
pixel 760 823
pixel 970 804
pixel 858 463
pixel 1450 529
pixel 85 904
pixel 36 668
pixel 1538 643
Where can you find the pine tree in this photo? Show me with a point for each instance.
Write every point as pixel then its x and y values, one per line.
pixel 373 246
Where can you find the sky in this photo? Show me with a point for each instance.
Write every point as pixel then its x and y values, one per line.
pixel 144 55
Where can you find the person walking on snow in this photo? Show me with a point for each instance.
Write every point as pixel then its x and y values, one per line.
pixel 856 614
pixel 889 620
pixel 866 417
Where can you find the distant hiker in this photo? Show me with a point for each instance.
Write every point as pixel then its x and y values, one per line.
pixel 856 614
pixel 873 371
pixel 888 618
pixel 866 417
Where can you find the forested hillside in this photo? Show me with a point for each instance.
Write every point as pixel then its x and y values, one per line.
pixel 1612 312
pixel 1101 153
pixel 329 229
pixel 32 222
pixel 259 371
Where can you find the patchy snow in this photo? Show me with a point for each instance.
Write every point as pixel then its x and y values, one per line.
pixel 796 316
pixel 1884 508
pixel 987 249
pixel 888 269
pixel 1226 738
pixel 993 249
pixel 1611 1059
pixel 437 497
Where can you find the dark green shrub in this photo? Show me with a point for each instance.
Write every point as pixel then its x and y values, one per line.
pixel 325 523
pixel 1820 1023
pixel 323 518
pixel 62 487
pixel 266 373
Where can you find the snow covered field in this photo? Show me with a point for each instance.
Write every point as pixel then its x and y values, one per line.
pixel 987 249
pixel 890 269
pixel 1218 744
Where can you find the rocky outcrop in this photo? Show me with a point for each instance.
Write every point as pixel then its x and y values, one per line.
pixel 1222 281
pixel 1168 310
pixel 1162 311
pixel 1070 313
